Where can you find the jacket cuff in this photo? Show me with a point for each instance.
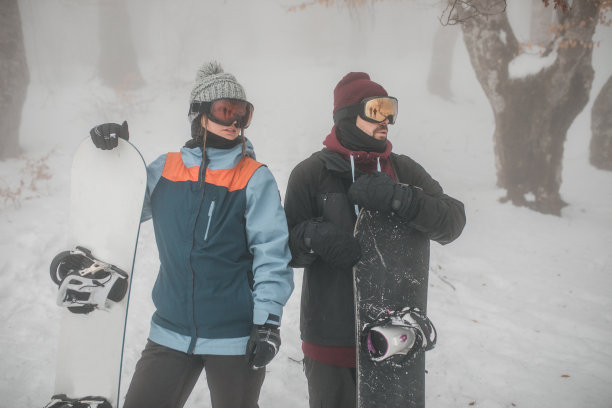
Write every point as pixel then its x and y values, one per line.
pixel 261 317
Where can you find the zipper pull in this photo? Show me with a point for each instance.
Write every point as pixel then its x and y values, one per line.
pixel 210 213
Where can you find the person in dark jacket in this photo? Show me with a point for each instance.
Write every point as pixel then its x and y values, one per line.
pixel 222 238
pixel 356 169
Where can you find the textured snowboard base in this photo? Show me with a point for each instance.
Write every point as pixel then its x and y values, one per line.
pixel 392 274
pixel 107 191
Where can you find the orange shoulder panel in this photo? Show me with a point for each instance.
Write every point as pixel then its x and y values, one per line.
pixel 175 170
pixel 236 178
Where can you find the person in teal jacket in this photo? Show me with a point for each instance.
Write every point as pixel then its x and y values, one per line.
pixel 222 238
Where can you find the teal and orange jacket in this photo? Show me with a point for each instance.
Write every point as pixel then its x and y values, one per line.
pixel 222 236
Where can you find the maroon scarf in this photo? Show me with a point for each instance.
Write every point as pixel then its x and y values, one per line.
pixel 364 161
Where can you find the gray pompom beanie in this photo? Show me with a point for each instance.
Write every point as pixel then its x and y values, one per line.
pixel 212 83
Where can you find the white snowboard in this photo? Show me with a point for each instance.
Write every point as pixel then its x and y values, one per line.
pixel 107 193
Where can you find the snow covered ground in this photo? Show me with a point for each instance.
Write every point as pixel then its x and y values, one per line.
pixel 521 300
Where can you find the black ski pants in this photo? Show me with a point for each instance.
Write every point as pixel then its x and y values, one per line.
pixel 164 378
pixel 330 386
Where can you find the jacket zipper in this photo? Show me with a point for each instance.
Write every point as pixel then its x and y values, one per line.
pixel 193 240
pixel 210 213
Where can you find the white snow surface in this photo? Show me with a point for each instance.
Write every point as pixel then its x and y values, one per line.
pixel 522 301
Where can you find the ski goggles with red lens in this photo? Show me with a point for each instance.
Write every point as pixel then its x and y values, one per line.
pixel 226 111
pixel 376 109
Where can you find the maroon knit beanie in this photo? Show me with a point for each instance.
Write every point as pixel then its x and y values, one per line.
pixel 355 87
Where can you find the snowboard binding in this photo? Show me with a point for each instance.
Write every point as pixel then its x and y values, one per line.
pixel 86 283
pixel 398 335
pixel 62 401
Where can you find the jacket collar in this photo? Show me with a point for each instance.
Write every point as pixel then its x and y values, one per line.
pixel 337 158
pixel 362 158
pixel 216 158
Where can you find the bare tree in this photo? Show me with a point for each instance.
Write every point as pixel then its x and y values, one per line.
pixel 118 63
pixel 14 78
pixel 601 128
pixel 439 78
pixel 532 113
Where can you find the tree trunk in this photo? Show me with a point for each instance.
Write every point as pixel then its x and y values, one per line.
pixel 533 113
pixel 542 18
pixel 117 62
pixel 439 79
pixel 601 128
pixel 14 78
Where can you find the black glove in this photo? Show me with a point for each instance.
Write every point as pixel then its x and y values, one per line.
pixel 262 345
pixel 105 136
pixel 379 192
pixel 301 255
pixel 331 243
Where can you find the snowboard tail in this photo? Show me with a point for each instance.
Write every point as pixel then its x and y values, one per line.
pixel 392 331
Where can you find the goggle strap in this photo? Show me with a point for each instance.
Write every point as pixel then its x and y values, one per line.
pixel 351 111
pixel 195 107
pixel 204 107
pixel 199 107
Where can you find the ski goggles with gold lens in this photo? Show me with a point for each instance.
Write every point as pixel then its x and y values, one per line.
pixel 226 111
pixel 375 109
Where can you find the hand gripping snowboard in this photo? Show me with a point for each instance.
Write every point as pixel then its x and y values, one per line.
pixel 94 274
pixel 390 305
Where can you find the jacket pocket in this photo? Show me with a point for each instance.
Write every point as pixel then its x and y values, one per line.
pixel 211 211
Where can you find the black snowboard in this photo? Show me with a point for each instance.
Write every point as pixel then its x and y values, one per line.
pixel 391 275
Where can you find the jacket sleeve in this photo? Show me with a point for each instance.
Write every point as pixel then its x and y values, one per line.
pixel 267 236
pixel 154 172
pixel 300 208
pixel 432 212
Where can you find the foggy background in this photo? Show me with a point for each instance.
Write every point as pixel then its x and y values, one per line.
pixel 521 300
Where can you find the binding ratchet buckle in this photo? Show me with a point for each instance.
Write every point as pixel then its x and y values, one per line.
pixel 399 334
pixel 62 401
pixel 86 283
